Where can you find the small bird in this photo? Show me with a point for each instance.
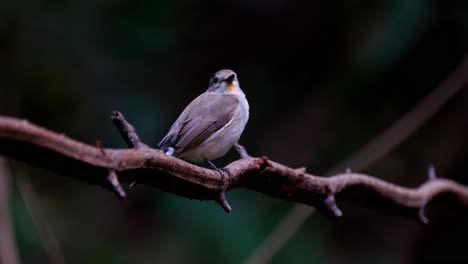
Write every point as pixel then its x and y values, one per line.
pixel 211 124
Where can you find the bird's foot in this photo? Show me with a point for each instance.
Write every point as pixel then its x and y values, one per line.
pixel 221 171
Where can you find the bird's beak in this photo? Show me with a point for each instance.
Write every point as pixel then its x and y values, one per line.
pixel 231 87
pixel 230 78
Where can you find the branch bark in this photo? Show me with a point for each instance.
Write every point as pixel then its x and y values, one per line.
pixel 107 167
pixel 378 147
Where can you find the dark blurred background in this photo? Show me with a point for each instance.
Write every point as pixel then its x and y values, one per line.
pixel 322 79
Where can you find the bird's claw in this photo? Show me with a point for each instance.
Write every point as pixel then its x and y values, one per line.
pixel 221 171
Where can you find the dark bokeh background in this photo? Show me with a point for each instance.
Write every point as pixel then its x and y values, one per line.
pixel 322 78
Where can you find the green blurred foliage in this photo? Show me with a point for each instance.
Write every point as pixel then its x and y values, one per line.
pixel 322 78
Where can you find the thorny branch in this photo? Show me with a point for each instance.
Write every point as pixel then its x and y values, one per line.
pixel 107 167
pixel 374 150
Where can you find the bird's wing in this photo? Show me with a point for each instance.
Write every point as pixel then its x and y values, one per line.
pixel 205 115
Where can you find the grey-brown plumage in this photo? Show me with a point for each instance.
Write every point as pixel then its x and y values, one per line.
pixel 211 124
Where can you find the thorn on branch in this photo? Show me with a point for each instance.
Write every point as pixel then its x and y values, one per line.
pixel 281 181
pixel 262 164
pixel 241 151
pixel 100 145
pixel 115 183
pixel 301 171
pixel 221 200
pixel 422 215
pixel 127 131
pixel 431 173
pixel 330 204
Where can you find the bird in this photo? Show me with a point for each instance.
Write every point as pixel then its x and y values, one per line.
pixel 211 124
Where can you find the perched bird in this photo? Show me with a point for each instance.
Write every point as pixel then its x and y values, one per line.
pixel 211 124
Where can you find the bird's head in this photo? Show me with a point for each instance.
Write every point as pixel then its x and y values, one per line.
pixel 224 82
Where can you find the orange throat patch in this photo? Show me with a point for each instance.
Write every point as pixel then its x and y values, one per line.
pixel 232 88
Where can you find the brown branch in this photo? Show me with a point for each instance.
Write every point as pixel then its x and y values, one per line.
pixel 377 148
pixel 34 145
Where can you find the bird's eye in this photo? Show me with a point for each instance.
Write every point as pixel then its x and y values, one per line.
pixel 215 79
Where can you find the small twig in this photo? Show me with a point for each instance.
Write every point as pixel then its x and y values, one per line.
pixel 330 204
pixel 431 173
pixel 431 176
pixel 422 215
pixel 223 202
pixel 301 170
pixel 115 183
pixel 127 131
